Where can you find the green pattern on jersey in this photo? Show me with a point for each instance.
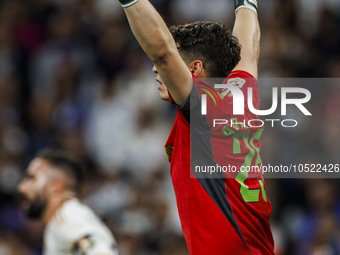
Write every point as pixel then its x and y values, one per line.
pixel 248 195
pixel 168 151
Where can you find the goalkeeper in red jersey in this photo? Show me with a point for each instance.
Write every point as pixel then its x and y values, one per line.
pixel 219 216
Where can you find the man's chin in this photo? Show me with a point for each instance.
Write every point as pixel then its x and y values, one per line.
pixel 164 96
pixel 36 210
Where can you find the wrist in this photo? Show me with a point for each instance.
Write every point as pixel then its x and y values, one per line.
pixel 127 3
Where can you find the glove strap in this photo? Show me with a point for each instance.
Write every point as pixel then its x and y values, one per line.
pixel 249 4
pixel 127 3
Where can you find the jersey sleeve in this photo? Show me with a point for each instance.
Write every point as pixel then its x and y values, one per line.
pixel 84 233
pixel 185 109
pixel 192 106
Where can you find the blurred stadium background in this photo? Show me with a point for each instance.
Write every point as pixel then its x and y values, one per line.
pixel 73 77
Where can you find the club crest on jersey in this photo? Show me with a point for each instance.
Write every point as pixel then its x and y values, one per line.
pixel 237 82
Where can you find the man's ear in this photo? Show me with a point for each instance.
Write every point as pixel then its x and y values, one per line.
pixel 57 185
pixel 196 67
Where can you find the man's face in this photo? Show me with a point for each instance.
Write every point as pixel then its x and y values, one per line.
pixel 161 87
pixel 32 188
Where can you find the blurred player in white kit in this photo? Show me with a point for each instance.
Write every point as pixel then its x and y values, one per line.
pixel 49 194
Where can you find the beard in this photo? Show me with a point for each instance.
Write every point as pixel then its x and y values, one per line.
pixel 36 209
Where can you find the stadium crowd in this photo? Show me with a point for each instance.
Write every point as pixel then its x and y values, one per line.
pixel 73 77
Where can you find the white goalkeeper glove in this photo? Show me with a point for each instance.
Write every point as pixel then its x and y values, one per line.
pixel 127 3
pixel 250 4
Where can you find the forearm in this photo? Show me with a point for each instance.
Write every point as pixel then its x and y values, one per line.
pixel 247 30
pixel 150 30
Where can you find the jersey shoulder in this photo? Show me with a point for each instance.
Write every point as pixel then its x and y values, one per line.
pixel 242 80
pixel 75 224
pixel 73 211
pixel 74 219
pixel 240 73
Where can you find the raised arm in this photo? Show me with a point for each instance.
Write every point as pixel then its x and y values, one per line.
pixel 247 30
pixel 156 40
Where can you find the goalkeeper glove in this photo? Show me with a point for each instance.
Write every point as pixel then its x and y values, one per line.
pixel 250 4
pixel 127 3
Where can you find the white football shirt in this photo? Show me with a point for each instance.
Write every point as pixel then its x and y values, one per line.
pixel 76 230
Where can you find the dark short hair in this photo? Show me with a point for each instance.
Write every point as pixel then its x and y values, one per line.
pixel 210 42
pixel 66 162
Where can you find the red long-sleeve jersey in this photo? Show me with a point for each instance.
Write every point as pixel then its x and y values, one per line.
pixel 228 214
